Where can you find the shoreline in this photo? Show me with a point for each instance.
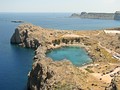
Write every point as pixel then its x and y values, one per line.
pixel 75 46
pixel 95 15
pixel 43 40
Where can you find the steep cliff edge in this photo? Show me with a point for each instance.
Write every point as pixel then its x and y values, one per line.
pixel 47 74
pixel 23 36
pixel 107 16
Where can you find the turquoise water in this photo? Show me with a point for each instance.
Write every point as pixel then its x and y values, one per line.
pixel 16 62
pixel 78 56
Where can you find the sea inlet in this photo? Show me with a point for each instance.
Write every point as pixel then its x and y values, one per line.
pixel 78 56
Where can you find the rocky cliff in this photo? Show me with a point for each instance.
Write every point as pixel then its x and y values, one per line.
pixel 47 74
pixel 23 36
pixel 107 16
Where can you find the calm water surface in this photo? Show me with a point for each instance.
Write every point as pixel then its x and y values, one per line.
pixel 78 56
pixel 16 62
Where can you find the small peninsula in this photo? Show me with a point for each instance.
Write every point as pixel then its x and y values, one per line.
pixel 94 15
pixel 103 46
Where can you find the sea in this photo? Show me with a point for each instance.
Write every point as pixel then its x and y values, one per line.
pixel 16 62
pixel 76 55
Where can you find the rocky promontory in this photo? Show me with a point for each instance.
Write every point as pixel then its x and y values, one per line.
pixel 47 74
pixel 107 16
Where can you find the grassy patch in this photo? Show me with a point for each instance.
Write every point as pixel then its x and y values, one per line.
pixel 90 71
pixel 65 87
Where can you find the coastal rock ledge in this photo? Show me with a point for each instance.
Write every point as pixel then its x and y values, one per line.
pixel 23 36
pixel 47 74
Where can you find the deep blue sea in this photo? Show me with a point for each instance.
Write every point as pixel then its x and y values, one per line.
pixel 16 62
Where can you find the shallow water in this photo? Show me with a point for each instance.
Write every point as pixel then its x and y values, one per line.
pixel 78 56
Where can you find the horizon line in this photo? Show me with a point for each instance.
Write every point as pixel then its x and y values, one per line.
pixel 52 12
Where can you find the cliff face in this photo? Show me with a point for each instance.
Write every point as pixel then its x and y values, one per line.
pixel 23 36
pixel 98 16
pixel 47 74
pixel 108 16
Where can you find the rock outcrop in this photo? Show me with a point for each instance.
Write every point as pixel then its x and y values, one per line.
pixel 24 36
pixel 47 74
pixel 115 84
pixel 107 16
pixel 75 15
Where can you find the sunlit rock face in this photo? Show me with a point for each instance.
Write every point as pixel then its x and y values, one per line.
pixel 23 36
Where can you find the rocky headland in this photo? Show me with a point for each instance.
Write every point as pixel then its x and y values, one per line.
pixel 102 74
pixel 107 16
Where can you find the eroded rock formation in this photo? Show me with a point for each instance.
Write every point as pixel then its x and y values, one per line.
pixel 24 36
pixel 47 74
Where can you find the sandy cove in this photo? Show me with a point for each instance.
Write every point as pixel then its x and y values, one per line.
pixel 48 74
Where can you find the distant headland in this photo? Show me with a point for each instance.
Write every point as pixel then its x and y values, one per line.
pixel 94 15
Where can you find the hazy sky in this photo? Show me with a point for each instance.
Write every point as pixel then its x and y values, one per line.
pixel 59 5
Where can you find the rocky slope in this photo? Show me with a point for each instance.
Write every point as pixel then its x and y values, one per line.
pixel 47 74
pixel 23 36
pixel 108 16
pixel 115 83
